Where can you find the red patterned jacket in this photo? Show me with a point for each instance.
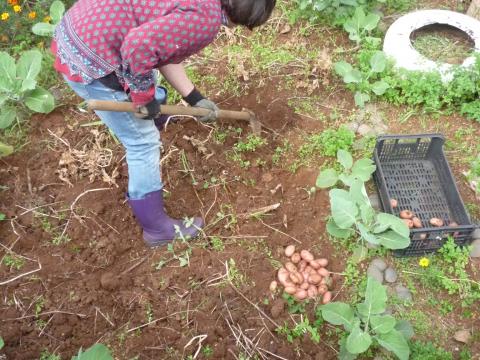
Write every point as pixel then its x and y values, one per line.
pixel 131 38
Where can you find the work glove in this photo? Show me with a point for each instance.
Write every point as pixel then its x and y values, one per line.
pixel 149 111
pixel 196 99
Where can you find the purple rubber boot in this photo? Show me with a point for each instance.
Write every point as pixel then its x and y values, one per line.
pixel 159 228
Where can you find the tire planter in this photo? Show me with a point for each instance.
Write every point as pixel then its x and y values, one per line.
pixel 397 43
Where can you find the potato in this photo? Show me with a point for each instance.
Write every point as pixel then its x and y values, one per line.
pixel 309 269
pixel 323 272
pixel 289 250
pixel 327 297
pixel 406 214
pixel 314 264
pixel 393 203
pixel 283 275
pixel 305 286
pixel 322 289
pixel 302 265
pixel 291 290
pixel 294 278
pixel 436 222
pixel 454 224
pixel 315 279
pixel 322 261
pixel 290 267
pixel 301 294
pixel 306 255
pixel 306 276
pixel 417 222
pixel 296 258
pixel 300 277
pixel 312 292
pixel 408 222
pixel 273 286
pixel 423 236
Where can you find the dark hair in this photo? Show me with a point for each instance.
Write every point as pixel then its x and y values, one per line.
pixel 250 13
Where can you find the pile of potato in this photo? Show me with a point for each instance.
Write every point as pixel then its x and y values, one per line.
pixel 414 222
pixel 303 276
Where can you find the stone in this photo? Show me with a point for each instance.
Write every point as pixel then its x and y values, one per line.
pixel 365 130
pixel 390 275
pixel 475 252
pixel 476 234
pixel 353 126
pixel 462 336
pixel 375 273
pixel 277 308
pixel 403 293
pixel 375 201
pixel 379 264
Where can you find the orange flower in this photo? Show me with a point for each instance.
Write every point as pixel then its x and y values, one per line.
pixel 13 2
pixel 32 15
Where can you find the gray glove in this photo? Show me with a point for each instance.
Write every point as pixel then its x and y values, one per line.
pixel 196 99
pixel 210 105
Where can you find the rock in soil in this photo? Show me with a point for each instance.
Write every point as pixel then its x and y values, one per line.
pixel 462 336
pixel 390 275
pixel 277 308
pixel 379 264
pixel 475 252
pixel 403 293
pixel 376 273
pixel 375 202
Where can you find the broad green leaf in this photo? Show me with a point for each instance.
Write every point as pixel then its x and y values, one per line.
pixel 8 72
pixel 394 223
pixel 327 178
pixel 363 169
pixel 378 61
pixel 95 352
pixel 338 313
pixel 43 29
pixel 57 9
pixel 2 343
pixel 336 232
pixel 344 354
pixel 405 328
pixel 358 192
pixel 342 68
pixel 5 150
pixel 344 211
pixel 367 235
pixel 375 299
pixel 391 240
pixel 396 343
pixel 346 179
pixel 379 87
pixel 8 115
pixel 367 213
pixel 40 100
pixel 359 254
pixel 382 324
pixel 353 76
pixel 361 99
pixel 345 159
pixel 370 21
pixel 349 2
pixel 3 98
pixel 28 67
pixel 358 341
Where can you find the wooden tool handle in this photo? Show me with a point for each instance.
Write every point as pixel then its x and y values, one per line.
pixel 117 106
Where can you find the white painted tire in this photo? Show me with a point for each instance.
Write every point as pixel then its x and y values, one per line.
pixel 397 43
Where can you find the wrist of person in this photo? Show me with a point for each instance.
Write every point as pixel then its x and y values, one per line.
pixel 194 97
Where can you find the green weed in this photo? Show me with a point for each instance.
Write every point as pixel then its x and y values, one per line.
pixel 13 262
pixel 428 351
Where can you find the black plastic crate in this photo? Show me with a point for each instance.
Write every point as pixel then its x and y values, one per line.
pixel 413 170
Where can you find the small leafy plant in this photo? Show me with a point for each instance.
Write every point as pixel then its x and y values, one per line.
pixel 367 323
pixel 57 9
pixel 352 213
pixel 95 352
pixel 360 26
pixel 360 80
pixel 327 143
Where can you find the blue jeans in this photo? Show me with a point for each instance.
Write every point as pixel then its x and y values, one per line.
pixel 140 138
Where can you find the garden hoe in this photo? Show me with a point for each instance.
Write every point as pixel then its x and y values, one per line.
pixel 247 115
